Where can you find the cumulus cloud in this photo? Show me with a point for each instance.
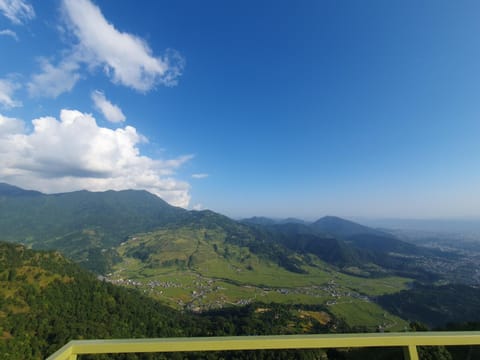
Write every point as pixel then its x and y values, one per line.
pixel 8 32
pixel 54 80
pixel 7 88
pixel 199 176
pixel 110 111
pixel 17 11
pixel 73 152
pixel 126 58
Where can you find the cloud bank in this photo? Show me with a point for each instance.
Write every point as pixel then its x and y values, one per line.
pixel 110 111
pixel 73 152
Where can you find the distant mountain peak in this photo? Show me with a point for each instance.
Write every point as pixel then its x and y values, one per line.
pixel 341 227
pixel 259 220
pixel 292 220
pixel 11 190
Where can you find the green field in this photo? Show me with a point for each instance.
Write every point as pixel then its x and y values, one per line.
pixel 195 269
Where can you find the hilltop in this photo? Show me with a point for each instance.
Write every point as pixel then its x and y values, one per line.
pixel 83 225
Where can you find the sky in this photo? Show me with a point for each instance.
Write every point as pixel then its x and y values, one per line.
pixel 268 108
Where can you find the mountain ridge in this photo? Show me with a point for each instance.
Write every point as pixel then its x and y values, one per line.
pixel 11 190
pixel 90 226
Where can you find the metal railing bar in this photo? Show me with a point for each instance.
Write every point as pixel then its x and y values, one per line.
pixel 408 341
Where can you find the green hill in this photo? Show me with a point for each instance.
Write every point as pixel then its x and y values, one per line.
pixel 340 227
pixel 363 237
pixel 83 225
pixel 46 300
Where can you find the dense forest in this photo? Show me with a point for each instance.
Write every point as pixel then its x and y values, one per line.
pixel 435 305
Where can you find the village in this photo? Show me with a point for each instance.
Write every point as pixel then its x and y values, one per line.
pixel 204 294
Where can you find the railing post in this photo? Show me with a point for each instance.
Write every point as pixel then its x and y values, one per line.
pixel 410 352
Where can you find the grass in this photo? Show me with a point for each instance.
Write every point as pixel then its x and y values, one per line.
pixel 367 315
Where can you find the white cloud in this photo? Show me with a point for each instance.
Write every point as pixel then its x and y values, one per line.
pixel 110 111
pixel 7 88
pixel 73 153
pixel 8 32
pixel 54 80
pixel 198 207
pixel 10 126
pixel 199 176
pixel 18 11
pixel 126 58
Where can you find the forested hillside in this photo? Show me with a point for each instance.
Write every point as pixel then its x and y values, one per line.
pixel 435 305
pixel 47 300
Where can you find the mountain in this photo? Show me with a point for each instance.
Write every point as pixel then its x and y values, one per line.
pixel 341 228
pixel 34 216
pixel 10 190
pixel 304 239
pixel 84 225
pixel 364 237
pixel 259 220
pixel 90 226
pixel 292 220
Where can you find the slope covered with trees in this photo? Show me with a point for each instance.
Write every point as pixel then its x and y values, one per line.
pixel 435 305
pixel 46 300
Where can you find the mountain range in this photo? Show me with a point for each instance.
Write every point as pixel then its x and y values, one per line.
pixel 89 226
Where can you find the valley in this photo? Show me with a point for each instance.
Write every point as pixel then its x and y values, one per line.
pixel 207 274
pixel 332 275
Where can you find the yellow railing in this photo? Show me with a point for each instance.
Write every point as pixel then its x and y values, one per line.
pixel 407 341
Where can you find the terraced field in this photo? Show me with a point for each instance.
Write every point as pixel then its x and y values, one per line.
pixel 197 270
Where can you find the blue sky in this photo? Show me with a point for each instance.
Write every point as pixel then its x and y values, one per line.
pixel 271 108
